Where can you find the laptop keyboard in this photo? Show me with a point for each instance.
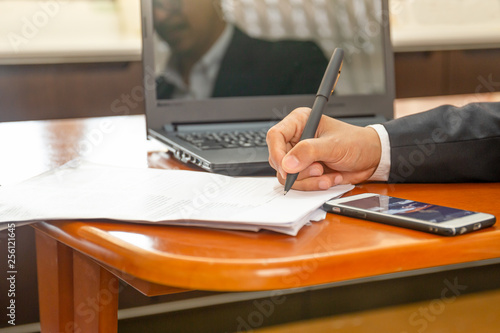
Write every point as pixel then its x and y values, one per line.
pixel 231 139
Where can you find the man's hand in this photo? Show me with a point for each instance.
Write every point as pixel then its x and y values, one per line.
pixel 339 153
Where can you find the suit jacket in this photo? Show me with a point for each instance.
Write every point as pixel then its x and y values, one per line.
pixel 255 67
pixel 446 144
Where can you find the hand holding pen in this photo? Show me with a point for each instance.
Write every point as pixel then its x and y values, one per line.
pixel 339 154
pixel 325 90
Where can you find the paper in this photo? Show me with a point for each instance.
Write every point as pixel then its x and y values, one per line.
pixel 82 190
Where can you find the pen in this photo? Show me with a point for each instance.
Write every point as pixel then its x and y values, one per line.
pixel 325 90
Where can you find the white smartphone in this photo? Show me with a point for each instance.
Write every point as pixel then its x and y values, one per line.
pixel 410 214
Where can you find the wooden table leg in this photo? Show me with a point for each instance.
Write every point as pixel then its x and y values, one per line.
pixel 55 284
pixel 95 296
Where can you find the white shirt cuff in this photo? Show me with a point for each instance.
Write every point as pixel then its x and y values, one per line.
pixel 384 167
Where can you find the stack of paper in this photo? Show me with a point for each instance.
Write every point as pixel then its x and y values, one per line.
pixel 82 190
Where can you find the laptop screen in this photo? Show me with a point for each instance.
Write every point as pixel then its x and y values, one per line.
pixel 244 60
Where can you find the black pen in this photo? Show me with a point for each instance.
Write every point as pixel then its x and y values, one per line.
pixel 325 90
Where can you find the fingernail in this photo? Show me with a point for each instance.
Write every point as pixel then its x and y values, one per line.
pixel 291 162
pixel 282 173
pixel 338 180
pixel 324 185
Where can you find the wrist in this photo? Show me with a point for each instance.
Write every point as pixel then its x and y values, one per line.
pixel 373 147
pixel 383 166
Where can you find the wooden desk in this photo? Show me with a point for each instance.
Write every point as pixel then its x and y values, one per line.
pixel 79 263
pixel 71 255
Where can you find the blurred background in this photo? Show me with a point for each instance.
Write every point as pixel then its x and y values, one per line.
pixel 56 55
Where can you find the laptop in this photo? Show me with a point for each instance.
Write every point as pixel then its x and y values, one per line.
pixel 256 61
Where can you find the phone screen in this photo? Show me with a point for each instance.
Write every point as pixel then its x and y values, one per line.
pixel 409 208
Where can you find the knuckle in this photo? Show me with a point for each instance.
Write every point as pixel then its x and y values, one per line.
pixel 308 148
pixel 271 132
pixel 301 112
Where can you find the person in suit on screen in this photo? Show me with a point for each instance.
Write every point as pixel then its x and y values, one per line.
pixel 213 58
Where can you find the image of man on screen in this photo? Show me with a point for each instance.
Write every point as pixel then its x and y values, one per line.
pixel 209 57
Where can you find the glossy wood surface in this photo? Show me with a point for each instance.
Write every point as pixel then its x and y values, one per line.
pixel 55 293
pixel 160 259
pixel 336 249
pixel 76 294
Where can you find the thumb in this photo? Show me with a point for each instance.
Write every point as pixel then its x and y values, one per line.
pixel 305 153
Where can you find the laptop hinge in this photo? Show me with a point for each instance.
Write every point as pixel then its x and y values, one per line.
pixel 252 125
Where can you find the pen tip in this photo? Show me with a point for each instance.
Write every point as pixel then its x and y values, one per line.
pixel 285 193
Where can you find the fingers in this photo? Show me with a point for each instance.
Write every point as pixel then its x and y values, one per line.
pixel 328 180
pixel 284 135
pixel 314 170
pixel 306 152
pixel 339 154
pixel 343 148
pixel 305 182
pixel 313 178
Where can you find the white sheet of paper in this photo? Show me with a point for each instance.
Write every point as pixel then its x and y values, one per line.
pixel 82 190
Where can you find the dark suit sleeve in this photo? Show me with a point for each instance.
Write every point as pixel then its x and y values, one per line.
pixel 446 144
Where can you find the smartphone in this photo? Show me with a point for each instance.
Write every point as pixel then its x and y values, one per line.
pixel 410 214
